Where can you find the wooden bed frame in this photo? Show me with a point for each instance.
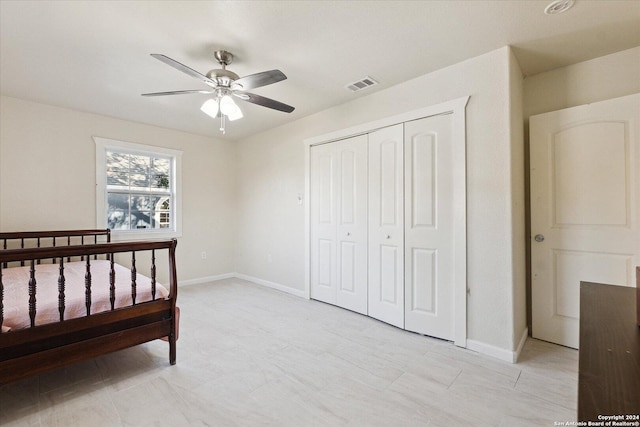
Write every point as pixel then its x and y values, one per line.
pixel 41 348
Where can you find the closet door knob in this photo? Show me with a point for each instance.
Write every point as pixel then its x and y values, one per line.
pixel 388 236
pixel 348 234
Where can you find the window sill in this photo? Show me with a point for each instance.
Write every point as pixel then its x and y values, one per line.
pixel 121 235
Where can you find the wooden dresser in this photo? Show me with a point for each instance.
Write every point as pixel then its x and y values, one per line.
pixel 609 372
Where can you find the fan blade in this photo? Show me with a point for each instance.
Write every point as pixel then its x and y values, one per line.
pixel 181 67
pixel 178 92
pixel 263 101
pixel 260 79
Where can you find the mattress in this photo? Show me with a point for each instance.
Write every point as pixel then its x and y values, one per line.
pixel 16 292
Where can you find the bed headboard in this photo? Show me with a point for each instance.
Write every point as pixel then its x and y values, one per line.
pixel 53 238
pixel 67 237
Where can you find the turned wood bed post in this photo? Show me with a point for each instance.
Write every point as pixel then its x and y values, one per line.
pixel 1 301
pixel 109 256
pixel 95 242
pixel 32 293
pixel 87 285
pixel 173 294
pixel 133 278
pixel 112 281
pixel 61 297
pixel 153 274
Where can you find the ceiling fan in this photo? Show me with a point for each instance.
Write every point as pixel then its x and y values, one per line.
pixel 224 85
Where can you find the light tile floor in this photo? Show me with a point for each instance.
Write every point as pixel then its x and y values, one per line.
pixel 249 355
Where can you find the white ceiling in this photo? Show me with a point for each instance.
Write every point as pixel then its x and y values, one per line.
pixel 94 55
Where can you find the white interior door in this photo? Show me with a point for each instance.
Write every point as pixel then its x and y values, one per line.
pixel 585 180
pixel 429 226
pixel 323 224
pixel 339 223
pixel 351 230
pixel 386 225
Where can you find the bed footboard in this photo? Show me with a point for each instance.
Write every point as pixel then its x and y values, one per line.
pixel 42 347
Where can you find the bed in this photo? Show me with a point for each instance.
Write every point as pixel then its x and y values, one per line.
pixel 68 296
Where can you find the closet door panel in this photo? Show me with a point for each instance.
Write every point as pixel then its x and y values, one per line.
pixel 423 272
pixel 339 223
pixel 323 224
pixel 390 288
pixel 429 233
pixel 386 225
pixel 351 230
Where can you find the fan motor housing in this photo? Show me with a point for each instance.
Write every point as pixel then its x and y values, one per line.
pixel 223 77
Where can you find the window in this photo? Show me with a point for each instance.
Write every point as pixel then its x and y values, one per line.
pixel 138 189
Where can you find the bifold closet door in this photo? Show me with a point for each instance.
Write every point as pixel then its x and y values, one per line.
pixel 323 224
pixel 351 228
pixel 386 225
pixel 429 226
pixel 339 223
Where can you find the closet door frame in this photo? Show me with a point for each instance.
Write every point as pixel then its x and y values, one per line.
pixel 457 107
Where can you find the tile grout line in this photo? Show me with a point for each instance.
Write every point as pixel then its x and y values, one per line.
pixel 517 379
pixel 454 380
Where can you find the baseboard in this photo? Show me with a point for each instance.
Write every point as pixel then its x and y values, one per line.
pixel 257 281
pixel 523 339
pixel 498 352
pixel 272 285
pixel 490 350
pixel 205 279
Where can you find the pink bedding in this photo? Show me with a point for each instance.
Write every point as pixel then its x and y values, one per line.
pixel 16 292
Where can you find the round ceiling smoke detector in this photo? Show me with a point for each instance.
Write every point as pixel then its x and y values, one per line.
pixel 558 6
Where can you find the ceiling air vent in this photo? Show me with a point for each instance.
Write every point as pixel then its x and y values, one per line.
pixel 558 6
pixel 361 84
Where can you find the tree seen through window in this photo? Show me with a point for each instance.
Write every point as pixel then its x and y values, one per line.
pixel 138 191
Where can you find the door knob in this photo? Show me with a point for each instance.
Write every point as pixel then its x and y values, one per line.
pixel 539 238
pixel 388 236
pixel 348 234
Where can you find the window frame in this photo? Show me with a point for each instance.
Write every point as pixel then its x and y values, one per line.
pixel 105 144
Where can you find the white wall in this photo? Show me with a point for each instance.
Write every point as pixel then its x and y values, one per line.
pixel 607 77
pixel 47 179
pixel 518 211
pixel 271 172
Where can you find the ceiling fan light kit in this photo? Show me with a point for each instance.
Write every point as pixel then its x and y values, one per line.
pixel 228 107
pixel 210 107
pixel 224 85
